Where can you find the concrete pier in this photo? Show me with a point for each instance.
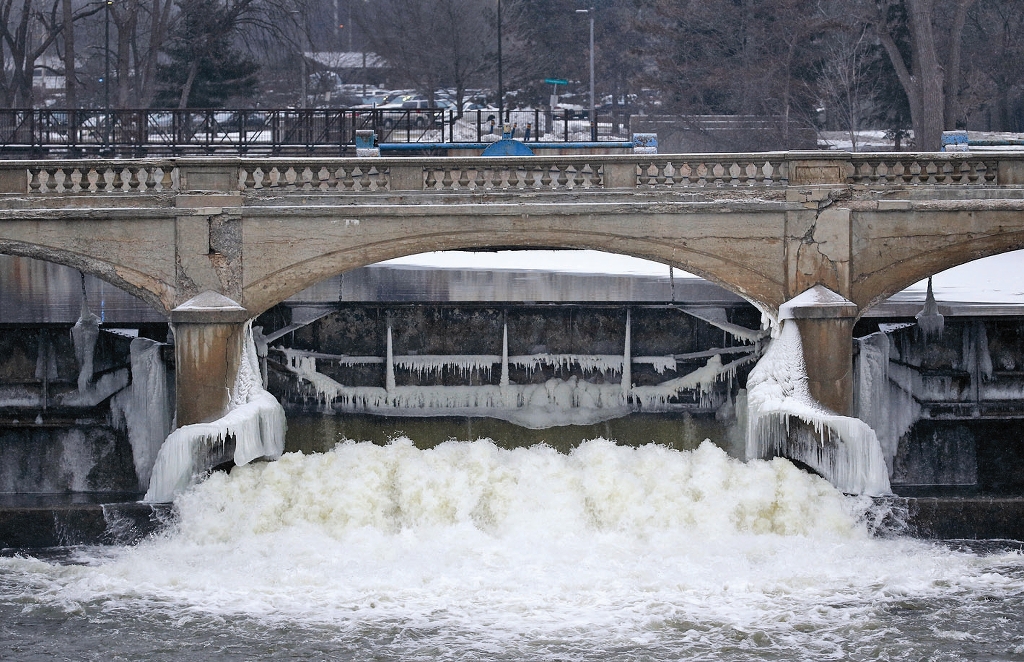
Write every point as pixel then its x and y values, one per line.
pixel 208 335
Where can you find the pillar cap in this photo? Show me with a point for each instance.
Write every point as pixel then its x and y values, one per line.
pixel 818 302
pixel 209 308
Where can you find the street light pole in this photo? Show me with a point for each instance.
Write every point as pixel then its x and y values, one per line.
pixel 501 87
pixel 593 116
pixel 106 58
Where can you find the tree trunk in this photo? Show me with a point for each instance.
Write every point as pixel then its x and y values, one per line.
pixel 70 84
pixel 954 49
pixel 186 89
pixel 930 122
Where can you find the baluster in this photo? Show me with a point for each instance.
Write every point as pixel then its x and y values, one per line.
pixel 991 172
pixel 364 179
pixel 701 173
pixel 34 185
pixel 577 180
pixel 463 178
pixel 513 177
pixel 431 180
pixel 931 170
pixel 304 178
pixel 563 178
pixel 133 180
pixel 734 174
pixel 249 183
pixel 719 171
pixel 446 180
pixel 76 180
pixel 659 174
pixel 478 179
pixel 51 179
pixel 120 181
pixel 545 176
pixel 643 177
pixel 347 181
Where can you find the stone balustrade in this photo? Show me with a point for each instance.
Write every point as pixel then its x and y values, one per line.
pixel 492 174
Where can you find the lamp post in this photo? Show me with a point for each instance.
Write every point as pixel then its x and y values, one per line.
pixel 593 117
pixel 501 87
pixel 106 58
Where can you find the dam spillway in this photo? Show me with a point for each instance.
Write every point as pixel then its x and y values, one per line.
pixel 552 341
pixel 490 547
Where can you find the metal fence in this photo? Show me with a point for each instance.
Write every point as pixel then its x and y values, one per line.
pixel 154 132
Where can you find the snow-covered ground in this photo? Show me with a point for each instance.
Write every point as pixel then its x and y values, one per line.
pixel 994 280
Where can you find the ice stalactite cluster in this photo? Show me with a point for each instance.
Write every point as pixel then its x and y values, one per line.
pixel 887 407
pixel 702 380
pixel 255 421
pixel 843 449
pixel 565 362
pixel 146 406
pixel 432 365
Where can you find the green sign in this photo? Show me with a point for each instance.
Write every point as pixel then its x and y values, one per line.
pixel 556 81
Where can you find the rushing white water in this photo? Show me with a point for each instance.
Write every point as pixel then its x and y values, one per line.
pixel 467 551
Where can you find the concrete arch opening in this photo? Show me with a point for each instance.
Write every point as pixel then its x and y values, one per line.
pixel 428 344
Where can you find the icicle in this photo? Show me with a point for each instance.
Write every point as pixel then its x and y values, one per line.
pixel 147 406
pixel 929 319
pixel 389 371
pixel 84 334
pixel 627 359
pixel 504 354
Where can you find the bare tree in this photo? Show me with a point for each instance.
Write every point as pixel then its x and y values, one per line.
pixel 433 43
pixel 908 31
pixel 841 82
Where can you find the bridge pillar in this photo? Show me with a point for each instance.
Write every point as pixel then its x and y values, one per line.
pixel 208 336
pixel 825 320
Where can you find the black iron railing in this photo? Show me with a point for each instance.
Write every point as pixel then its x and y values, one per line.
pixel 159 132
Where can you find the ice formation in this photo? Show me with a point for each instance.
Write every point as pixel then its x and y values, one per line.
pixel 889 408
pixel 85 333
pixel 843 449
pixel 146 406
pixel 702 380
pixel 255 421
pixel 929 319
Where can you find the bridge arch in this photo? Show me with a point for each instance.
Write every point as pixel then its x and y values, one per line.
pixel 719 269
pixel 898 276
pixel 154 292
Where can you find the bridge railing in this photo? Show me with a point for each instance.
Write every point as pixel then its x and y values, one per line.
pixel 566 172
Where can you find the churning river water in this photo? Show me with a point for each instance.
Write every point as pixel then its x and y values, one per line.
pixel 469 552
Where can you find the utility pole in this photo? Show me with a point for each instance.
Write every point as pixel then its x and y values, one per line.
pixel 593 116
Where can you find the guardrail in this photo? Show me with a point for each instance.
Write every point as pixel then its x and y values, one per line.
pixel 532 173
pixel 175 132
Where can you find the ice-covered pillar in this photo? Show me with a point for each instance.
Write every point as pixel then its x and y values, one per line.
pixel 825 320
pixel 208 336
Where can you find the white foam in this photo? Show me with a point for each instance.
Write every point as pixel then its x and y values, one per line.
pixel 471 549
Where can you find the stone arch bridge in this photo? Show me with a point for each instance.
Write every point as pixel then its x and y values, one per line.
pixel 213 242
